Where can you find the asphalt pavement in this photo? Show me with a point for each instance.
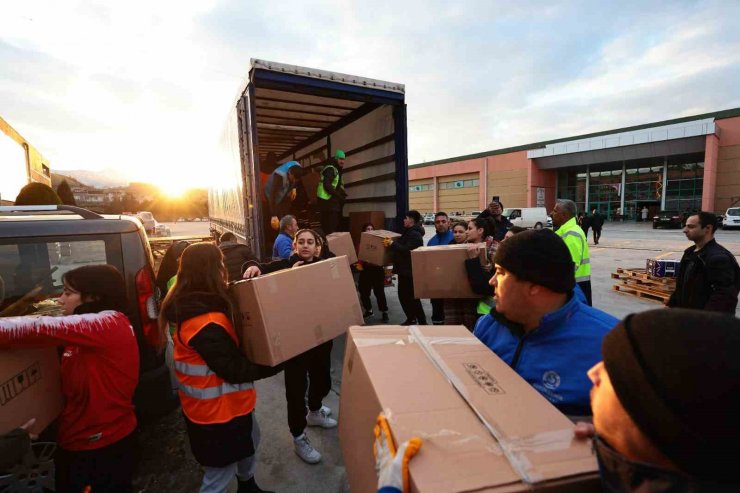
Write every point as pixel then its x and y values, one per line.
pixel 279 469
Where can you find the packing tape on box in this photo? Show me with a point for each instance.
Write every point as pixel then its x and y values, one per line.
pixel 513 448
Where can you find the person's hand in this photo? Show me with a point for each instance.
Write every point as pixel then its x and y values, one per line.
pixel 584 430
pixel 275 223
pixel 387 242
pixel 27 425
pixel 292 194
pixel 252 271
pixel 473 250
pixel 392 465
pixel 298 264
pixel 359 266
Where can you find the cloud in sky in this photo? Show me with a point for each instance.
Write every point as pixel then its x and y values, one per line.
pixel 146 86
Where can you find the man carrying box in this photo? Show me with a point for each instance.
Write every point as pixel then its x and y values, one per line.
pixel 443 236
pixel 411 239
pixel 544 332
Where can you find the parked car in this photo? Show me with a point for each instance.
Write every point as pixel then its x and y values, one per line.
pixel 549 222
pixel 527 217
pixel 162 230
pixel 38 244
pixel 147 219
pixel 475 213
pixel 732 218
pixel 668 219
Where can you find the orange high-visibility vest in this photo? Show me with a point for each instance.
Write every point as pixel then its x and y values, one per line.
pixel 205 397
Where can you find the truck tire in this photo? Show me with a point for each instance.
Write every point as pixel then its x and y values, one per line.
pixel 538 226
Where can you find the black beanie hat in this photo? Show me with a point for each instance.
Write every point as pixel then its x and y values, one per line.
pixel 540 257
pixel 677 374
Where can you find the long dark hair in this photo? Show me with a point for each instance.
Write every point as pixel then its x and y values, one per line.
pixel 169 265
pixel 486 224
pixel 201 271
pixel 102 283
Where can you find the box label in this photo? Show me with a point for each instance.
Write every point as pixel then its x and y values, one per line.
pixel 483 379
pixel 13 387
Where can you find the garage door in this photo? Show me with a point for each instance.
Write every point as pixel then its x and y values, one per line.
pixel 459 193
pixel 421 196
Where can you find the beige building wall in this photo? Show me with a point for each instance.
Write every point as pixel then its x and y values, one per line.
pixel 463 200
pixel 728 177
pixel 421 201
pixel 509 185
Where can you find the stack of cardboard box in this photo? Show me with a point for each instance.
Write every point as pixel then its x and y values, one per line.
pixel 372 250
pixel 439 271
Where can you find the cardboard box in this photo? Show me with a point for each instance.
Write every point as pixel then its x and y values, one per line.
pixel 386 370
pixel 372 249
pixel 439 271
pixel 286 313
pixel 341 244
pixel 30 387
pixel 358 219
pixel 663 267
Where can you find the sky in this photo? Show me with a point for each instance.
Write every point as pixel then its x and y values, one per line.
pixel 144 88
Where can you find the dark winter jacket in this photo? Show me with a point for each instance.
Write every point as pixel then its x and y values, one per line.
pixel 411 239
pixel 217 445
pixel 707 280
pixel 597 221
pixel 235 254
pixel 500 227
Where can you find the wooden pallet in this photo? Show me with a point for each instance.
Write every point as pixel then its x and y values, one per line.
pixel 642 274
pixel 642 293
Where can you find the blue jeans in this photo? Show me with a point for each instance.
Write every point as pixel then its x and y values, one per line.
pixel 217 479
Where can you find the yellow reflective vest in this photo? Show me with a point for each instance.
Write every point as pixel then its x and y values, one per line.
pixel 575 239
pixel 321 191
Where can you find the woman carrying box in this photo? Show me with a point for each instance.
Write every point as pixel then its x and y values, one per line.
pixel 372 278
pixel 99 373
pixel 215 377
pixel 314 363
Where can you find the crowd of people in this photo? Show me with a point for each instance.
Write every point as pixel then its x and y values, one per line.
pixel 661 386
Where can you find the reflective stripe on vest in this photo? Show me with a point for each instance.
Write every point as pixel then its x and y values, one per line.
pixel 282 172
pixel 321 191
pixel 205 397
pixel 573 235
pixel 485 305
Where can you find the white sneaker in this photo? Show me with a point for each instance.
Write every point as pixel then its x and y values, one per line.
pixel 326 410
pixel 320 418
pixel 305 450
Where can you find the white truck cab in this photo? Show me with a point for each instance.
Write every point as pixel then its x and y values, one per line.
pixel 527 217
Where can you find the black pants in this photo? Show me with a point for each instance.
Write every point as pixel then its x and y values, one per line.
pixel 330 221
pixel 586 288
pixel 597 235
pixel 585 232
pixel 107 469
pixel 316 365
pixel 372 278
pixel 438 311
pixel 411 306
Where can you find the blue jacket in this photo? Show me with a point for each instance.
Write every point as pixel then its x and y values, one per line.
pixel 555 357
pixel 283 246
pixel 441 239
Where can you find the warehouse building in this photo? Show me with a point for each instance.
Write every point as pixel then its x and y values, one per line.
pixel 684 164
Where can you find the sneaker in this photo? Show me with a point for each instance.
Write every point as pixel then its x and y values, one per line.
pixel 438 322
pixel 386 319
pixel 320 418
pixel 305 450
pixel 409 322
pixel 249 486
pixel 326 410
pixel 368 314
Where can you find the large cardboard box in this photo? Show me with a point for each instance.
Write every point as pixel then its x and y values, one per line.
pixel 372 249
pixel 386 369
pixel 358 219
pixel 286 313
pixel 341 244
pixel 439 271
pixel 662 267
pixel 30 387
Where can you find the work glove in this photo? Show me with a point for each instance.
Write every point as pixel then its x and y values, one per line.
pixel 292 194
pixel 359 266
pixel 387 242
pixel 275 223
pixel 392 465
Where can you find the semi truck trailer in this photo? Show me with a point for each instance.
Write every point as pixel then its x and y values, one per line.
pixel 288 113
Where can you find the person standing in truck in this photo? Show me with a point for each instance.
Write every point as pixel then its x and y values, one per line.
pixel 278 193
pixel 331 194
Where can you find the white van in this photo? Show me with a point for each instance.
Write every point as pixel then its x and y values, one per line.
pixel 527 217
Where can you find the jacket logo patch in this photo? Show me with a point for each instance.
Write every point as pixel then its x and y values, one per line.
pixel 483 379
pixel 551 380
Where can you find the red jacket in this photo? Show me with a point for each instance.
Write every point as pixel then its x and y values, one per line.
pixel 99 369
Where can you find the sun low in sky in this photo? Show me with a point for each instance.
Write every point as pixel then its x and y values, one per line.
pixel 146 87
